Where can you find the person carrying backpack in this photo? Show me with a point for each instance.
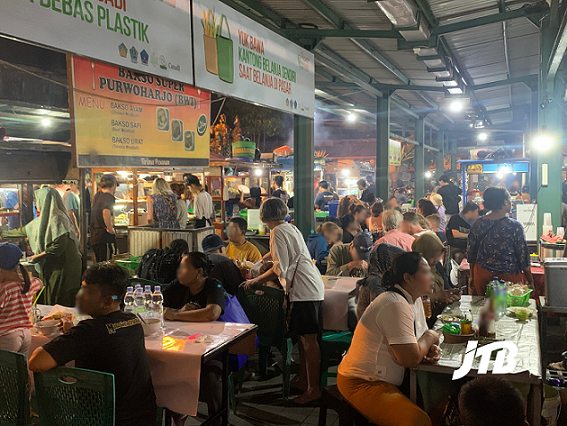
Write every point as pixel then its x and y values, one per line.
pixel 160 265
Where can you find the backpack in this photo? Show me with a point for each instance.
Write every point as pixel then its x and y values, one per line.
pixel 159 265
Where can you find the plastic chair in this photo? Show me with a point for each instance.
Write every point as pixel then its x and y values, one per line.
pixel 85 400
pixel 331 343
pixel 264 307
pixel 14 400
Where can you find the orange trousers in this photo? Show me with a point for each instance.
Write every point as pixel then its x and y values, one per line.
pixel 481 278
pixel 381 402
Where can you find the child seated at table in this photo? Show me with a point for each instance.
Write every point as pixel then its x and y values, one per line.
pixel 17 291
pixel 112 342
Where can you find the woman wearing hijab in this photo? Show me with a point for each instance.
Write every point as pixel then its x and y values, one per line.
pixel 368 288
pixel 432 249
pixel 53 240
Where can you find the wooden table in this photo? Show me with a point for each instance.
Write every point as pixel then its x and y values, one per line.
pixel 175 361
pixel 528 361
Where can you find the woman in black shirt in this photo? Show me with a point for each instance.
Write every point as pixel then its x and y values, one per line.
pixel 194 296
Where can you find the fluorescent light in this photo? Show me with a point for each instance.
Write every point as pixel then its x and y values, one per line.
pixel 455 90
pixel 482 136
pixel 345 172
pixel 45 122
pixel 258 172
pixel 456 106
pixel 351 118
pixel 543 142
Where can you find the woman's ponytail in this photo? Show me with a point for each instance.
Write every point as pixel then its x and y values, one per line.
pixel 26 277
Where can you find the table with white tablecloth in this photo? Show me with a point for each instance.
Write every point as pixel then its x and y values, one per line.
pixel 336 303
pixel 176 358
pixel 524 334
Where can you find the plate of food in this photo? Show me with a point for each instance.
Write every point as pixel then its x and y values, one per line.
pixel 521 313
pixel 447 318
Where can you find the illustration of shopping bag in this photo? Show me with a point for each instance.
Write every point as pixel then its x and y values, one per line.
pixel 211 56
pixel 210 41
pixel 225 53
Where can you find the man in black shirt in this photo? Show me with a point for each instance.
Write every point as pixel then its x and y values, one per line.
pixel 459 226
pixel 368 196
pixel 103 234
pixel 323 193
pixel 450 194
pixel 111 342
pixel 277 189
pixel 225 270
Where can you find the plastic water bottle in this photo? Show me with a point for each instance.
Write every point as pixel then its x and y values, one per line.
pixel 129 301
pixel 139 302
pixel 503 298
pixel 148 301
pixel 158 303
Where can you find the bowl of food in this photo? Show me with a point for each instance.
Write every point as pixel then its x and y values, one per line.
pixel 456 338
pixel 449 318
pixel 151 326
pixel 48 327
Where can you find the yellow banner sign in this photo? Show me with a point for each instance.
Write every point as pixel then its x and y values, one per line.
pixel 124 118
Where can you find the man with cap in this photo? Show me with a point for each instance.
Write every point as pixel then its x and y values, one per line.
pixel 17 292
pixel 351 259
pixel 225 269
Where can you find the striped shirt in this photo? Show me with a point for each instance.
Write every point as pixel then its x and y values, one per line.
pixel 15 307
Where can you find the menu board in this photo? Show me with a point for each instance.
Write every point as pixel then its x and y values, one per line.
pixel 395 153
pixel 236 56
pixel 124 118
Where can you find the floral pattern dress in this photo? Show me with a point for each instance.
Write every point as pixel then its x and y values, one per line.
pixel 503 250
pixel 165 211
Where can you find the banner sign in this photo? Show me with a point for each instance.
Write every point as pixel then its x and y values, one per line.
pixel 238 57
pixel 395 153
pixel 149 36
pixel 124 118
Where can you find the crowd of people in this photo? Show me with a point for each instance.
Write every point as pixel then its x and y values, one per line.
pixel 398 257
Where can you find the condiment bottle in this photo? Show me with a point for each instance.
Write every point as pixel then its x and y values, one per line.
pixel 426 306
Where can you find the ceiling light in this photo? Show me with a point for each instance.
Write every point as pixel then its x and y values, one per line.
pixel 258 172
pixel 456 105
pixel 482 136
pixel 345 172
pixel 351 118
pixel 543 142
pixel 45 122
pixel 455 90
pixel 428 175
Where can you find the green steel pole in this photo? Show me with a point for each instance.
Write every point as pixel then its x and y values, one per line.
pixel 453 151
pixel 303 186
pixel 382 147
pixel 419 157
pixel 549 163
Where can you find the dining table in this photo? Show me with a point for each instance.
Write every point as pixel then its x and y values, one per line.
pixel 176 355
pixel 339 296
pixel 527 372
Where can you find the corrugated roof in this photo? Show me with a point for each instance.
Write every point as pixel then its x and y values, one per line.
pixel 480 51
